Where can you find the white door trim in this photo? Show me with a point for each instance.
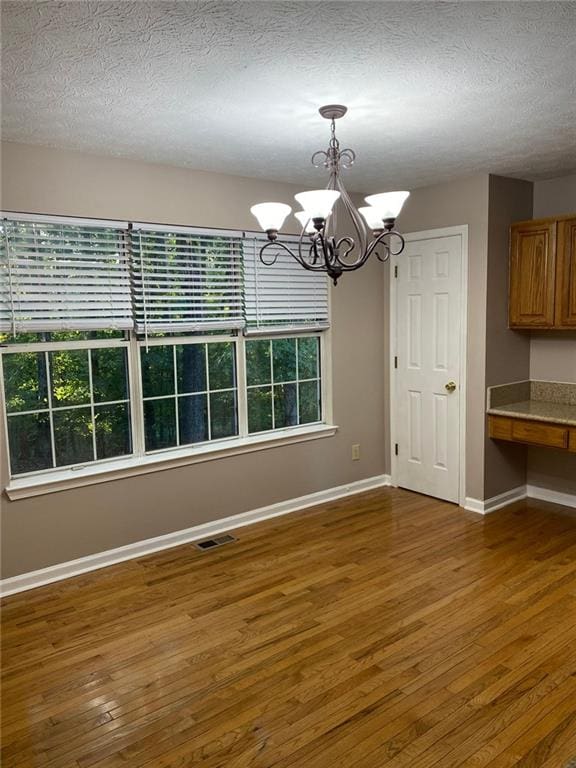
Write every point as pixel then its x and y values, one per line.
pixel 462 232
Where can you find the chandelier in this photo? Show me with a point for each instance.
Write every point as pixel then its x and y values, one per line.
pixel 320 248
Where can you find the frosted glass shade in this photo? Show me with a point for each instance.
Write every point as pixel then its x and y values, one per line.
pixel 388 204
pixel 306 222
pixel 270 215
pixel 372 217
pixel 318 204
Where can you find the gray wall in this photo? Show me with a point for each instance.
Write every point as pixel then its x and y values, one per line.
pixel 48 529
pixel 553 354
pixel 507 352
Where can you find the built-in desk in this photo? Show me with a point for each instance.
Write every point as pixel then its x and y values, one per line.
pixel 534 413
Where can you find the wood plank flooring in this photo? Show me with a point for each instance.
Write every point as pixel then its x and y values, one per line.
pixel 387 629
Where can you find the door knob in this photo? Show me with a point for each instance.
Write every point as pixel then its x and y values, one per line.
pixel 451 386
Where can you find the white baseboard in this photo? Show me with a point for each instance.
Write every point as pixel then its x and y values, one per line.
pixel 545 494
pixel 139 548
pixel 517 494
pixel 484 507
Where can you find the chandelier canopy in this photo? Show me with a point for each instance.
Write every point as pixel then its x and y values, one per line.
pixel 320 248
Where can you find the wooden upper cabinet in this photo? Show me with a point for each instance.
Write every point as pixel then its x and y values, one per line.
pixel 543 274
pixel 566 274
pixel 532 274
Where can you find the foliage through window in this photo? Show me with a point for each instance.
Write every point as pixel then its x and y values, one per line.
pixel 283 382
pixel 189 393
pixel 66 406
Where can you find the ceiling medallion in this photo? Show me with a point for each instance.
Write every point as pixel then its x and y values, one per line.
pixel 320 248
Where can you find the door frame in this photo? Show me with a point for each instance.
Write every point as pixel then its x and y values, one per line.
pixel 462 232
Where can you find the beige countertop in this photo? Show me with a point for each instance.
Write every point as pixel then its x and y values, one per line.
pixel 538 410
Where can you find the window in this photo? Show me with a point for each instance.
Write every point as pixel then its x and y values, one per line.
pixel 66 406
pixel 127 343
pixel 283 382
pixel 189 393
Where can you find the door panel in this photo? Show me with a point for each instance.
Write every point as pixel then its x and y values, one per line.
pixel 532 275
pixel 566 274
pixel 428 316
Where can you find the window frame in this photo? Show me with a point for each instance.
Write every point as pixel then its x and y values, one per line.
pixel 142 461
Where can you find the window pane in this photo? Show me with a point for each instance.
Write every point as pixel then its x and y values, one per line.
pixel 309 395
pixel 223 414
pixel 191 367
pixel 112 430
pixel 308 358
pixel 193 419
pixel 29 439
pixel 109 374
pixel 221 366
pixel 25 381
pixel 157 371
pixel 69 376
pixel 285 406
pixel 258 369
pixel 73 436
pixel 160 423
pixel 259 409
pixel 284 359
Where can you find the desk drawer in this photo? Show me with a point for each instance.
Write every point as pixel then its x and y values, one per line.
pixel 540 433
pixel 530 432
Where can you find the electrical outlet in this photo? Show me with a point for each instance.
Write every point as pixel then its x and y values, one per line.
pixel 356 452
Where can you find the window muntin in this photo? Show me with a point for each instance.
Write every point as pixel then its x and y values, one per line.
pixel 66 406
pixel 283 382
pixel 189 393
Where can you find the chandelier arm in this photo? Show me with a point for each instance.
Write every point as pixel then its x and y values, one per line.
pixel 327 251
pixel 312 260
pixel 295 255
pixel 384 239
pixel 340 258
pixel 277 244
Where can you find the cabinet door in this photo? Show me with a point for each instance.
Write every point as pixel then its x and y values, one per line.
pixel 566 274
pixel 532 274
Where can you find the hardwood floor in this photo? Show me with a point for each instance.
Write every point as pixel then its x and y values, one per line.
pixel 387 629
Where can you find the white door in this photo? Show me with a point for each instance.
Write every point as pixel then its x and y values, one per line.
pixel 427 366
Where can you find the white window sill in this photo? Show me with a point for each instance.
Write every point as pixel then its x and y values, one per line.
pixel 22 488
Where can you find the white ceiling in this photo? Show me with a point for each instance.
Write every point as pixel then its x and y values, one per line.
pixel 435 89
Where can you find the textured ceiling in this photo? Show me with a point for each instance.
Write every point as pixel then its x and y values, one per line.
pixel 435 89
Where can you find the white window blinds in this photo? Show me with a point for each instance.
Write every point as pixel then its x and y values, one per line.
pixel 80 274
pixel 63 275
pixel 186 279
pixel 283 296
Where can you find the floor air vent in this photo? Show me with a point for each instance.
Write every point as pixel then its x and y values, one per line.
pixel 218 541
